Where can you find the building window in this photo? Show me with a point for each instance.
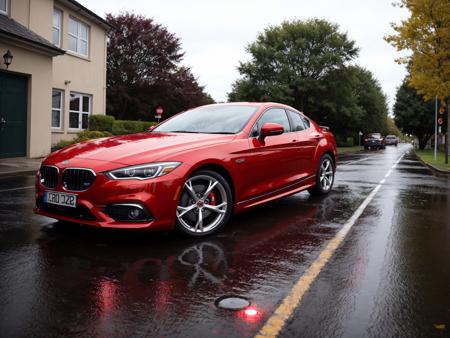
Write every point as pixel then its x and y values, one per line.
pixel 57 108
pixel 78 37
pixel 4 7
pixel 79 111
pixel 57 19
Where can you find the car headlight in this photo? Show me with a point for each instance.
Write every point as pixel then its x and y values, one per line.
pixel 143 172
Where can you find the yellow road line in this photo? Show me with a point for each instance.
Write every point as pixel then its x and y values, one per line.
pixel 278 319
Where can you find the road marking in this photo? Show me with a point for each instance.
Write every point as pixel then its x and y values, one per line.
pixel 292 301
pixel 13 189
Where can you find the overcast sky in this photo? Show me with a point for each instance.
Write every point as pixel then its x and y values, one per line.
pixel 214 34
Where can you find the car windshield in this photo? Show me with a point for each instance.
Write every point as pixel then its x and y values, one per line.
pixel 213 119
pixel 374 135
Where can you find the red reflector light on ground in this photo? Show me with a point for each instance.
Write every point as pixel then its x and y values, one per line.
pixel 251 312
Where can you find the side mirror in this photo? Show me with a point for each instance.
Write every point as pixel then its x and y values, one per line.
pixel 270 129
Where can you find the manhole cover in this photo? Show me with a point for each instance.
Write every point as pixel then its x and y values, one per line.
pixel 232 302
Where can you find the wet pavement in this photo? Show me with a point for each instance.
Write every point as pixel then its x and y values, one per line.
pixel 390 277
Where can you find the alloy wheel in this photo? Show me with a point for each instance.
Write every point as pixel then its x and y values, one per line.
pixel 203 204
pixel 326 174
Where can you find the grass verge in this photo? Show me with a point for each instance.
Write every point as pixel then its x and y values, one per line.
pixel 428 157
pixel 354 149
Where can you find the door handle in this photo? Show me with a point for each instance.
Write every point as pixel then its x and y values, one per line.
pixel 316 136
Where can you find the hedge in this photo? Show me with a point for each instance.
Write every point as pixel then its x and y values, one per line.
pixel 82 136
pixel 121 127
pixel 117 127
pixel 104 126
pixel 101 122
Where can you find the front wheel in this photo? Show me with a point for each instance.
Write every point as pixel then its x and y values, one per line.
pixel 205 204
pixel 324 176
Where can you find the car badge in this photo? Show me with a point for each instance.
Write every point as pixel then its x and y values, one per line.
pixel 65 162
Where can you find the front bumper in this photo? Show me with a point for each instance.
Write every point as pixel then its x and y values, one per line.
pixel 159 196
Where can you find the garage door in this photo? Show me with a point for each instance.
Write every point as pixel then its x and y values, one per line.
pixel 13 115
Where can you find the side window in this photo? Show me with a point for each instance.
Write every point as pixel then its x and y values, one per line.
pixel 297 121
pixel 274 115
pixel 306 122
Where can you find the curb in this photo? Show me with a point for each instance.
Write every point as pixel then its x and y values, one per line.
pixel 436 170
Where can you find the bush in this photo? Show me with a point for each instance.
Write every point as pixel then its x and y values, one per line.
pixel 105 126
pixel 344 141
pixel 82 136
pixel 122 127
pixel 101 122
pixel 91 134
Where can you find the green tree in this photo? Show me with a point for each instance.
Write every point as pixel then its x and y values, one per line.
pixel 305 64
pixel 426 33
pixel 371 102
pixel 413 115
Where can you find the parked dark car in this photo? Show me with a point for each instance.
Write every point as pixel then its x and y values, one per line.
pixel 374 141
pixel 391 140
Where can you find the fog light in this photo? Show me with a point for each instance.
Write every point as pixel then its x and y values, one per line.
pixel 128 212
pixel 134 213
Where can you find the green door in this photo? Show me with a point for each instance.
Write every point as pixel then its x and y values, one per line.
pixel 13 115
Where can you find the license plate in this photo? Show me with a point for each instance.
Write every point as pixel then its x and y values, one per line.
pixel 60 198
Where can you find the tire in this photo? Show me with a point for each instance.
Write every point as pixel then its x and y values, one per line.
pixel 198 215
pixel 323 186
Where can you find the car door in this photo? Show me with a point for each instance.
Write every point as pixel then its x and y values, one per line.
pixel 272 162
pixel 306 141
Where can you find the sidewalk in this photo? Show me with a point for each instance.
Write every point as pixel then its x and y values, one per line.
pixel 19 165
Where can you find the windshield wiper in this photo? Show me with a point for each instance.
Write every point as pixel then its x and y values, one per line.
pixel 183 131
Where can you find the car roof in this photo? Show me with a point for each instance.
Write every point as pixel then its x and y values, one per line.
pixel 257 104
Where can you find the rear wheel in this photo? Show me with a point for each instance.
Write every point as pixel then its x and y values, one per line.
pixel 205 204
pixel 324 176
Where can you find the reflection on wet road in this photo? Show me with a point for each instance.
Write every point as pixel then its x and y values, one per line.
pixel 390 277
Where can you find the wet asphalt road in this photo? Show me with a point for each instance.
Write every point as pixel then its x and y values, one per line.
pixel 390 277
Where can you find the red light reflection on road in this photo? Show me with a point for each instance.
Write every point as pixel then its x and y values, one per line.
pixel 250 314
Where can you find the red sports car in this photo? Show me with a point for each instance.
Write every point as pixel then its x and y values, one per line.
pixel 190 172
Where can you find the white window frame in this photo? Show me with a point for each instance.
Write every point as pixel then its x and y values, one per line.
pixel 58 44
pixel 78 37
pixel 60 109
pixel 80 111
pixel 5 12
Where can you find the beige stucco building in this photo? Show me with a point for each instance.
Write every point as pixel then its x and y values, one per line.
pixel 57 76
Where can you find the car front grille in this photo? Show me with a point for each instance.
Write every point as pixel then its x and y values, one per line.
pixel 49 176
pixel 77 179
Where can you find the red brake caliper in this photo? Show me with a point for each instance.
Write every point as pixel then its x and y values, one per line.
pixel 212 198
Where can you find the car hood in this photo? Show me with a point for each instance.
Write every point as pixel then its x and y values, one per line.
pixel 136 148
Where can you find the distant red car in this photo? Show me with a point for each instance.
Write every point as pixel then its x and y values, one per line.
pixel 190 172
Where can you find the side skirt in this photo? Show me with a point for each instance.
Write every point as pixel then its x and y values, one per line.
pixel 291 189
